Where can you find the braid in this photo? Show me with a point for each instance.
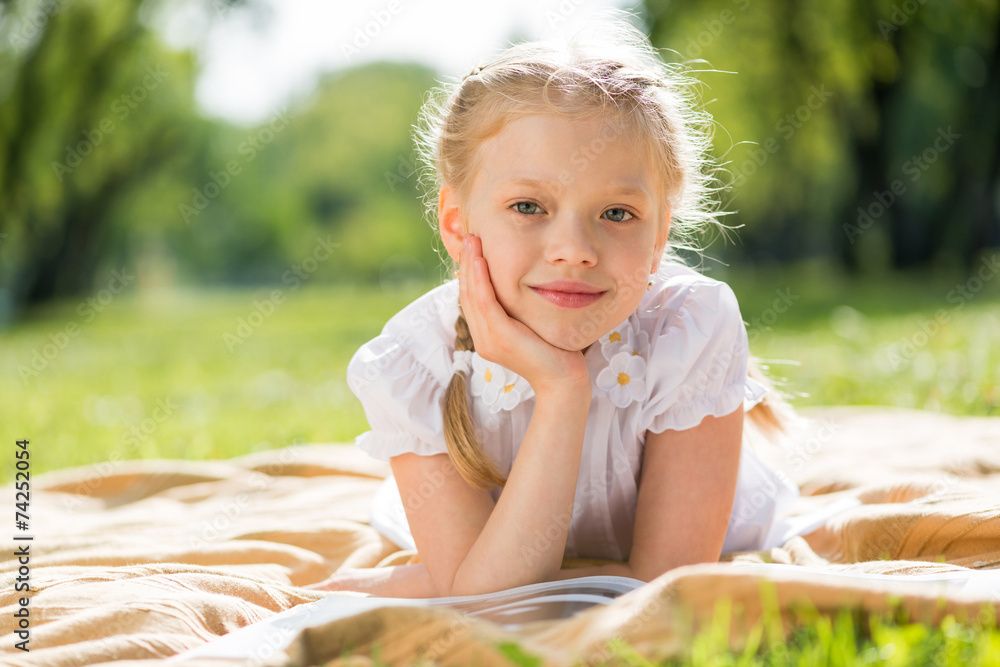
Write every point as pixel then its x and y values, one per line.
pixel 463 337
pixel 459 432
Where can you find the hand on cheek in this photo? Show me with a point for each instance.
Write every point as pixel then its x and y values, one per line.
pixel 502 339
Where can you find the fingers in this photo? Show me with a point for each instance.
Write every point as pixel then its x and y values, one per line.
pixel 331 584
pixel 482 286
pixel 465 285
pixel 499 337
pixel 469 292
pixel 483 313
pixel 341 580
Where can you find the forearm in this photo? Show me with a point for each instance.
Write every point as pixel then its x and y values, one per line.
pixel 397 581
pixel 414 581
pixel 611 569
pixel 524 539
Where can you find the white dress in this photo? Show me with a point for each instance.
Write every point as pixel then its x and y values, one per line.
pixel 684 351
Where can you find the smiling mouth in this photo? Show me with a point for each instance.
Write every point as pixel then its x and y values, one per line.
pixel 568 295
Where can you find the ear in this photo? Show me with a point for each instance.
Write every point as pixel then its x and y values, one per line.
pixel 451 222
pixel 661 242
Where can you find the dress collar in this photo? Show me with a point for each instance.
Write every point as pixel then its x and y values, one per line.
pixel 617 361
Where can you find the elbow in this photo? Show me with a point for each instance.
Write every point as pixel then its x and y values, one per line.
pixel 456 584
pixel 460 591
pixel 492 580
pixel 463 584
pixel 646 577
pixel 638 573
pixel 649 571
pixel 654 571
pixel 461 587
pixel 450 586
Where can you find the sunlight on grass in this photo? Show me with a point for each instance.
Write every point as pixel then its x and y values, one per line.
pixel 925 342
pixel 157 375
pixel 844 639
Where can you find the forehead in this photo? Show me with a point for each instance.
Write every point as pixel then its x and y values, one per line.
pixel 549 147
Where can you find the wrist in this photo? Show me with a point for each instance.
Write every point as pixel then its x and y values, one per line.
pixel 564 390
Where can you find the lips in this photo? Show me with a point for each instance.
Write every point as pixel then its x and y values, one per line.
pixel 568 294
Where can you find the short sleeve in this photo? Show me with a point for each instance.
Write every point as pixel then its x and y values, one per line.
pixel 697 363
pixel 401 399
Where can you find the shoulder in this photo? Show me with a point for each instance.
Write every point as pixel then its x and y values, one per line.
pixel 421 335
pixel 400 377
pixel 696 359
pixel 680 297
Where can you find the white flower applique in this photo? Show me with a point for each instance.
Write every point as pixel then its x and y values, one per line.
pixel 624 379
pixel 499 388
pixel 625 339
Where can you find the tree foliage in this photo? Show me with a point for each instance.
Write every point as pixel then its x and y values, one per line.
pixel 92 108
pixel 867 130
pixel 864 132
pixel 106 162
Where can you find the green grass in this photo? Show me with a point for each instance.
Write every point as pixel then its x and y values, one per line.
pixel 88 396
pixel 928 342
pixel 848 638
pixel 283 384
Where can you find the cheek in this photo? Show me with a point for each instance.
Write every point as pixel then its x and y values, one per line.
pixel 634 272
pixel 637 262
pixel 502 257
pixel 501 270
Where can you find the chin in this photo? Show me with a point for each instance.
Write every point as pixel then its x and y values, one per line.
pixel 569 338
pixel 570 330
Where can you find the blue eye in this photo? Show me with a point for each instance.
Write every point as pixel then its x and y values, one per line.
pixel 621 213
pixel 518 207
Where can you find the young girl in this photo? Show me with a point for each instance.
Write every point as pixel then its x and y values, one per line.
pixel 576 391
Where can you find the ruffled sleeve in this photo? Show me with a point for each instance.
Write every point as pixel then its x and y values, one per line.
pixel 401 398
pixel 697 363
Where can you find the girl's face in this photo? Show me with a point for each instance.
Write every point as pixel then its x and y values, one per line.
pixel 570 222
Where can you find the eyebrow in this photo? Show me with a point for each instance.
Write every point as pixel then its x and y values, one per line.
pixel 628 189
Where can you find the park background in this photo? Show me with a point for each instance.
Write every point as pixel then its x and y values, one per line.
pixel 186 268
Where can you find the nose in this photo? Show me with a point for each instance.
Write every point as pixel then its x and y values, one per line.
pixel 569 241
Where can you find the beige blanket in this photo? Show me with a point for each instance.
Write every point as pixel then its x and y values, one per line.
pixel 137 561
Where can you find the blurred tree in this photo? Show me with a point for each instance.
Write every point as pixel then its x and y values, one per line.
pixel 105 160
pixel 337 164
pixel 90 106
pixel 871 126
pixel 867 132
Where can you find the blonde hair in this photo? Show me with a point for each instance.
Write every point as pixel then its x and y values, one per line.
pixel 620 76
